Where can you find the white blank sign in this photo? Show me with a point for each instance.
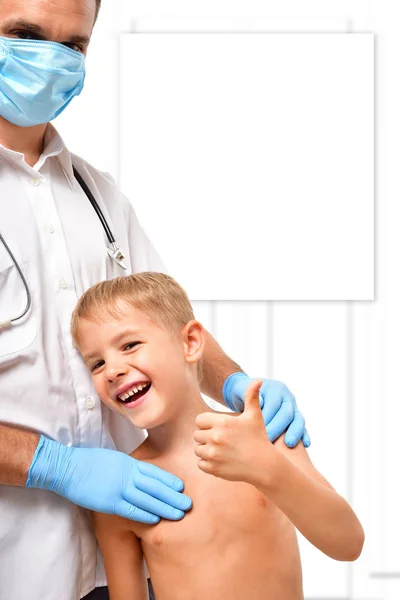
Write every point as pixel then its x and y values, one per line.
pixel 249 160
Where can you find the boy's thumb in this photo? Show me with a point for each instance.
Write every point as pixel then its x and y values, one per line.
pixel 251 396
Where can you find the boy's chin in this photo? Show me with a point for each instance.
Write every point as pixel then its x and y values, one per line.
pixel 144 421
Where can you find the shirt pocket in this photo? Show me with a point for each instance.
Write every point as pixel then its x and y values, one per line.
pixel 13 300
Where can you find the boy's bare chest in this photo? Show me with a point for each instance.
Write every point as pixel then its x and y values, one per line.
pixel 222 510
pixel 215 550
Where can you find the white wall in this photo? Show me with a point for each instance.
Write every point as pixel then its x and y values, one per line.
pixel 340 359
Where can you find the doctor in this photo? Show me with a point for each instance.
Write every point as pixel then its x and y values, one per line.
pixel 57 441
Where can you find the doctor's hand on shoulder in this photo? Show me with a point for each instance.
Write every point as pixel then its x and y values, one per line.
pixel 278 407
pixel 108 481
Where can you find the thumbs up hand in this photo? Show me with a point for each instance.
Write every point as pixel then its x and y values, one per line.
pixel 228 444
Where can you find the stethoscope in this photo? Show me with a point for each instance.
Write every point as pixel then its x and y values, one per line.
pixel 112 248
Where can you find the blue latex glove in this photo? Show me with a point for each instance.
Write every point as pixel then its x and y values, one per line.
pixel 278 407
pixel 108 481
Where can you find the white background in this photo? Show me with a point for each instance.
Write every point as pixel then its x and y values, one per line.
pixel 341 359
pixel 253 153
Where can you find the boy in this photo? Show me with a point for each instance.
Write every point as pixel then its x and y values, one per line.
pixel 139 338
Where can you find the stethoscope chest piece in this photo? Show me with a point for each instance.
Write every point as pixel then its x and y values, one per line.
pixel 117 255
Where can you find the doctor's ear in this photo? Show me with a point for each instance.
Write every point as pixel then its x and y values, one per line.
pixel 193 338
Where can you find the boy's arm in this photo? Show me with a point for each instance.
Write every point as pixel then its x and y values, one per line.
pixel 295 486
pixel 123 558
pixel 238 449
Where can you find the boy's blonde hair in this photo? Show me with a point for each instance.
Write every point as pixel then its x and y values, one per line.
pixel 156 294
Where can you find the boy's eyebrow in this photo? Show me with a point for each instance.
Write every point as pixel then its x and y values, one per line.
pixel 39 31
pixel 117 338
pixel 87 357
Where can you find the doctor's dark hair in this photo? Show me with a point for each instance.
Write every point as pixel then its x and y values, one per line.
pixel 98 4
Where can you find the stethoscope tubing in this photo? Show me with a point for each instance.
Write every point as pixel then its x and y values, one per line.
pixel 28 293
pixel 96 207
pixel 114 252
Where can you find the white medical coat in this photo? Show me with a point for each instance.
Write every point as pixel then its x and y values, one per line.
pixel 47 547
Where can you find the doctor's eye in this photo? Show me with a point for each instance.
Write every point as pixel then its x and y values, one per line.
pixel 24 34
pixel 73 46
pixel 27 35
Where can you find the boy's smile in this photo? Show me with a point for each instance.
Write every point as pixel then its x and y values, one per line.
pixel 131 393
pixel 139 369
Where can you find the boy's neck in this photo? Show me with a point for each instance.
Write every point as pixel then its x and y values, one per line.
pixel 178 432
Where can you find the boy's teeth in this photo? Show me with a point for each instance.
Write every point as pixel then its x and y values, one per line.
pixel 132 392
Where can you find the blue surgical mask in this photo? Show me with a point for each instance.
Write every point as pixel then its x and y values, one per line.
pixel 38 79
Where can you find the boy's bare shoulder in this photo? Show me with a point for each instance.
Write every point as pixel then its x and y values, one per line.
pixel 145 452
pixel 113 523
pixel 109 524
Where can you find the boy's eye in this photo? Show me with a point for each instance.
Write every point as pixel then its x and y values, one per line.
pixel 97 365
pixel 130 345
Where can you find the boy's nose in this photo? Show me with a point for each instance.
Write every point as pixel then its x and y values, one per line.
pixel 114 371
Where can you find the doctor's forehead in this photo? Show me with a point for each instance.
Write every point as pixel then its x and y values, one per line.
pixel 50 19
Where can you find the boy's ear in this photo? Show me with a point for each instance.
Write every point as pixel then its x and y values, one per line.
pixel 193 341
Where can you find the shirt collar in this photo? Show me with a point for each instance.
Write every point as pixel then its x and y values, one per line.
pixel 53 146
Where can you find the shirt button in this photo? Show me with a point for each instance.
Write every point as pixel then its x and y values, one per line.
pixel 35 182
pixel 63 284
pixel 89 403
pixel 50 228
